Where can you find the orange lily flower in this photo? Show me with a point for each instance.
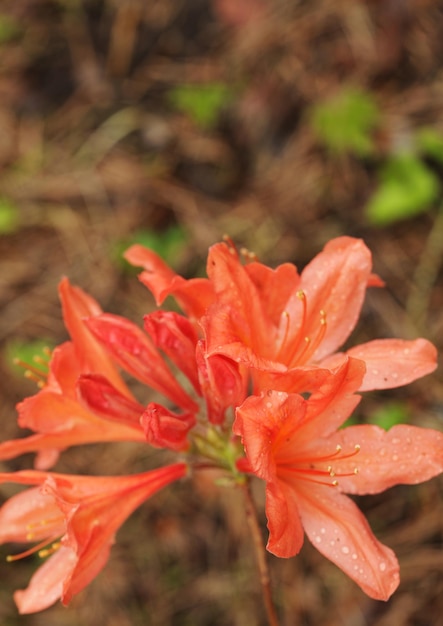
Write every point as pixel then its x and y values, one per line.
pixel 308 464
pixel 74 520
pixel 57 414
pixel 194 295
pixel 287 327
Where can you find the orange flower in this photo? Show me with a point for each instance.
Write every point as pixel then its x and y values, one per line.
pixel 194 295
pixel 57 414
pixel 247 328
pixel 308 464
pixel 74 520
pixel 287 327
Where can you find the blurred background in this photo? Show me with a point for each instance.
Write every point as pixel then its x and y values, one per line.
pixel 170 123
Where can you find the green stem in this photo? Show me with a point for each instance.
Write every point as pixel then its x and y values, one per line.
pixel 254 527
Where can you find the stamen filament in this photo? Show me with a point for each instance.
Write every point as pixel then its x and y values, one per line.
pixel 307 467
pixel 303 345
pixel 37 548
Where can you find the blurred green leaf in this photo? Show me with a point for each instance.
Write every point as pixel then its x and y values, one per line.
pixel 202 103
pixel 407 189
pixel 345 123
pixel 32 353
pixel 390 415
pixel 430 142
pixel 9 28
pixel 168 244
pixel 9 217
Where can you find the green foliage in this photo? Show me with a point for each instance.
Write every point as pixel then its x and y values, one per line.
pixel 168 244
pixel 345 123
pixel 408 187
pixel 9 28
pixel 33 353
pixel 202 103
pixel 430 142
pixel 9 217
pixel 390 414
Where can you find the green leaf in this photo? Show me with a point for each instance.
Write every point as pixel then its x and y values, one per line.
pixel 203 103
pixel 407 189
pixel 9 28
pixel 9 217
pixel 32 353
pixel 168 244
pixel 345 123
pixel 390 415
pixel 430 142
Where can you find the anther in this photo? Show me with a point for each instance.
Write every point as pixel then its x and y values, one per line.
pixel 37 375
pixel 248 255
pixel 47 551
pixel 231 245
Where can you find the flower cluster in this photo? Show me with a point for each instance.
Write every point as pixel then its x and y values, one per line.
pixel 253 383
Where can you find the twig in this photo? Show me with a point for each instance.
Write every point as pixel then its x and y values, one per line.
pixel 251 516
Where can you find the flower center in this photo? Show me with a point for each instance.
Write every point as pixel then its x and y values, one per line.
pixel 37 371
pixel 317 469
pixel 43 548
pixel 298 349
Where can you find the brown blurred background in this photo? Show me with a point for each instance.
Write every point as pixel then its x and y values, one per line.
pixel 172 122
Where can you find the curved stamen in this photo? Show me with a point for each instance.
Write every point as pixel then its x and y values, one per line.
pixel 301 347
pixel 40 548
pixel 307 467
pixel 317 459
pixel 39 372
pixel 311 345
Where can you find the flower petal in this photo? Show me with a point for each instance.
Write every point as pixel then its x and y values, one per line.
pixel 77 305
pixel 223 383
pixel 93 525
pixel 402 455
pixel 103 399
pixel 240 314
pixel 46 585
pixel 134 351
pixel 331 404
pixel 176 337
pixel 165 429
pixel 394 362
pixel 194 295
pixel 274 286
pixel 264 422
pixel 285 528
pixel 27 513
pixel 338 529
pixel 334 282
